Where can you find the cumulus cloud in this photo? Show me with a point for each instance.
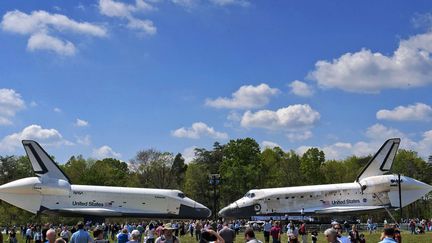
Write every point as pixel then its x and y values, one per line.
pixel 416 112
pixel 41 27
pixel 57 110
pixel 81 123
pixel 47 137
pixel 301 88
pixel 288 118
pixel 105 152
pixel 376 135
pixel 299 136
pixel 86 140
pixel 246 97
pixel 220 3
pixel 117 9
pixel 10 103
pixel 269 144
pixel 365 71
pixel 189 154
pixel 198 130
pixel 242 3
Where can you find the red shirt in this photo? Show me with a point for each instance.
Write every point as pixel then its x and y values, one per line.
pixel 275 232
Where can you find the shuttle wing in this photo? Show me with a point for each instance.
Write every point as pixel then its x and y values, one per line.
pixel 349 209
pixel 88 211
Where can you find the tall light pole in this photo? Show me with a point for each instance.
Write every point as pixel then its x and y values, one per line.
pixel 214 182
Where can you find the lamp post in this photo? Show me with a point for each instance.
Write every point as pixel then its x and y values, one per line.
pixel 214 180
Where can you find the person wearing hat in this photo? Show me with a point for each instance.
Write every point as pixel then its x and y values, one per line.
pixel 167 235
pixel 81 236
pixel 134 236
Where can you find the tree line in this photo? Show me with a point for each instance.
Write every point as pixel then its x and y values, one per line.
pixel 241 164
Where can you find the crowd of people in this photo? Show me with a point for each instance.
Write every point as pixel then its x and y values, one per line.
pixel 202 231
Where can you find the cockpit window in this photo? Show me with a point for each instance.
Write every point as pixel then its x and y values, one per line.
pixel 181 195
pixel 250 195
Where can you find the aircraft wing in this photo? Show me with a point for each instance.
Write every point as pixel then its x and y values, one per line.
pixel 349 209
pixel 89 211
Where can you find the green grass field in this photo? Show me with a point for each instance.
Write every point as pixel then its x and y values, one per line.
pixel 373 238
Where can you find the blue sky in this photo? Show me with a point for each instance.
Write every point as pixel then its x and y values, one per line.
pixel 110 77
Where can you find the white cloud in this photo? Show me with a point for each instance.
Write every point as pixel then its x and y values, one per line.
pixel 189 154
pixel 416 112
pixel 301 88
pixel 56 109
pixel 48 137
pixel 269 144
pixel 10 103
pixel 42 41
pixel 116 9
pixel 105 152
pixel 242 3
pixel 246 97
pixel 33 104
pixel 288 118
pixel 422 20
pixel 86 140
pixel 376 135
pixel 198 130
pixel 381 132
pixel 299 136
pixel 40 26
pixel 370 72
pixel 186 3
pixel 81 123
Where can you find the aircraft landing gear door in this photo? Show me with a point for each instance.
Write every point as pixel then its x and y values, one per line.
pixel 173 207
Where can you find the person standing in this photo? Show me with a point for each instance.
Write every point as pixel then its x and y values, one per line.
pixel 50 236
pixel 81 236
pixel 354 235
pixel 331 236
pixel 339 231
pixel 134 238
pixel 275 233
pixel 227 234
pixel 150 234
pixel 29 234
pixel 388 236
pixel 98 235
pixel 37 236
pixel 250 236
pixel 167 235
pixel 65 234
pixel 267 227
pixel 303 232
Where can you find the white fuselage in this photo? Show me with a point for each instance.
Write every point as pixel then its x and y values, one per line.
pixel 372 193
pixel 48 195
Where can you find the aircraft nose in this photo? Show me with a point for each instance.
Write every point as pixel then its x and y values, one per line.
pixel 233 210
pixel 199 211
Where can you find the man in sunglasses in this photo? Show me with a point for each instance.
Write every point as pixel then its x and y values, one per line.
pixel 339 230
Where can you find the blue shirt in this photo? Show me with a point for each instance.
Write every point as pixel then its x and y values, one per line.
pixel 81 236
pixel 387 240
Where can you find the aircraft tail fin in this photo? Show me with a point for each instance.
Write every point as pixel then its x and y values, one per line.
pixel 42 163
pixel 382 161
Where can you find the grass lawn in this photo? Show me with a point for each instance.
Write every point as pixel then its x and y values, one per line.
pixel 373 238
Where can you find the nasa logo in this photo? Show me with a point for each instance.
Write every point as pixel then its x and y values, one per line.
pixel 364 200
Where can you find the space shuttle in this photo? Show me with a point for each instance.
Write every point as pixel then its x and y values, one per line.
pixel 51 192
pixel 372 190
